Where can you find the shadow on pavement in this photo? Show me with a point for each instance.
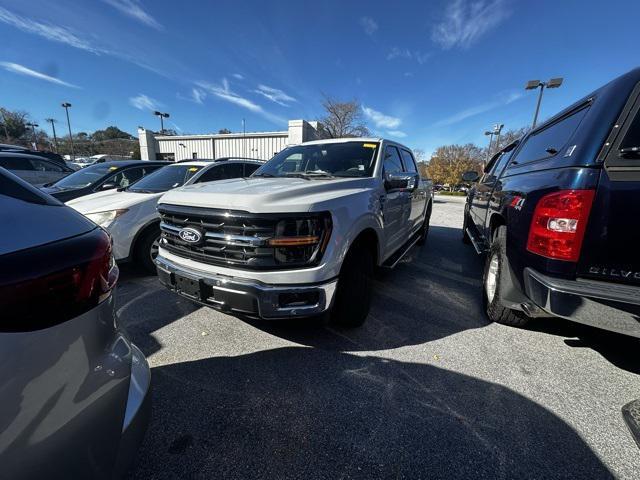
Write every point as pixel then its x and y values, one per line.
pixel 433 293
pixel 301 412
pixel 143 306
pixel 620 350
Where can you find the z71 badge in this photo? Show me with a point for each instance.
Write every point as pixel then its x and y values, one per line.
pixel 517 202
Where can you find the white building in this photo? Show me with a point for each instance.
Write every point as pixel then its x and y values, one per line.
pixel 259 145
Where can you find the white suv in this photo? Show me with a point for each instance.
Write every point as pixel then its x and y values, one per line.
pixel 302 236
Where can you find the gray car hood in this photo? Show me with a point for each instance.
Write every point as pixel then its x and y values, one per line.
pixel 265 195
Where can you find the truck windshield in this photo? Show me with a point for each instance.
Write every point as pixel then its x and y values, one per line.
pixel 340 159
pixel 166 178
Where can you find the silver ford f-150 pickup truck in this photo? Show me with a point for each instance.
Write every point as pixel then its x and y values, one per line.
pixel 300 237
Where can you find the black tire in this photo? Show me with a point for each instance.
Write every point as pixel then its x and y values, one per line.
pixel 143 250
pixel 353 293
pixel 424 231
pixel 494 267
pixel 465 224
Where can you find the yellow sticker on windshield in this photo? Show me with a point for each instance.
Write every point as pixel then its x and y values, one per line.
pixel 369 145
pixel 111 169
pixel 193 169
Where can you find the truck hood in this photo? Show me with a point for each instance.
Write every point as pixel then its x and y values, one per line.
pixel 267 195
pixel 111 200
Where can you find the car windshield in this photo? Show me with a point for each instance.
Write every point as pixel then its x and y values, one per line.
pixel 325 160
pixel 85 177
pixel 164 179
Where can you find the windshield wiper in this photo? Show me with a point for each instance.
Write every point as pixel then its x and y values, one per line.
pixel 265 174
pixel 309 174
pixel 630 152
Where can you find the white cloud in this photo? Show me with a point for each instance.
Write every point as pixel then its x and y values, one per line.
pixel 405 53
pixel 369 25
pixel 224 92
pixel 478 109
pixel 143 102
pixel 381 120
pixel 275 95
pixel 22 70
pixel 54 33
pixel 238 76
pixel 465 21
pixel 198 95
pixel 397 133
pixel 133 9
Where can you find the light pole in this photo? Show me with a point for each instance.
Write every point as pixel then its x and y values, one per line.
pixel 533 84
pixel 52 121
pixel 162 117
pixel 489 133
pixel 497 129
pixel 33 131
pixel 66 106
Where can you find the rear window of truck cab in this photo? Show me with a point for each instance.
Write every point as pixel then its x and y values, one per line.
pixel 552 139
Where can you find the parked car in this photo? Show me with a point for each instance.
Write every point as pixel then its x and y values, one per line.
pixel 130 214
pixel 100 177
pixel 36 170
pixel 302 236
pixel 75 390
pixel 555 215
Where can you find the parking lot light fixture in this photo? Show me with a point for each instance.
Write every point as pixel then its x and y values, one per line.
pixel 66 106
pixel 489 133
pixel 497 129
pixel 162 116
pixel 33 131
pixel 533 84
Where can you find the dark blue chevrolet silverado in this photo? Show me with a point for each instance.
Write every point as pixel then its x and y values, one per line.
pixel 557 214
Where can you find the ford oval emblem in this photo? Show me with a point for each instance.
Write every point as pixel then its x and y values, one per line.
pixel 190 235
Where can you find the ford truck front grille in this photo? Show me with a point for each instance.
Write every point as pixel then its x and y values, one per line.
pixel 218 237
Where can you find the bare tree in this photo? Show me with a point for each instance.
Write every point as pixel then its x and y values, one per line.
pixel 342 119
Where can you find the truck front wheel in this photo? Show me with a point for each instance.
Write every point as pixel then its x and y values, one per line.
pixel 493 270
pixel 353 293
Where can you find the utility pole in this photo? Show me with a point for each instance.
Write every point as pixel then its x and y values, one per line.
pixel 66 106
pixel 52 121
pixel 497 129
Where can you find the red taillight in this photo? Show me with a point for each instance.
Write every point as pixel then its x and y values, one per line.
pixel 47 285
pixel 558 224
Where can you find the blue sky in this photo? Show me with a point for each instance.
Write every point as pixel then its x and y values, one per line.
pixel 426 72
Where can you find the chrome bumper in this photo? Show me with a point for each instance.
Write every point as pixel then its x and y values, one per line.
pixel 245 296
pixel 613 307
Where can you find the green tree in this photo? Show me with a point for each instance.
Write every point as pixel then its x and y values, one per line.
pixel 13 124
pixel 110 133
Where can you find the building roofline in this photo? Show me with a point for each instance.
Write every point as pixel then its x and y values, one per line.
pixel 222 135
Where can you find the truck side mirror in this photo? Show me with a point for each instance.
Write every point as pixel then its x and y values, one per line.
pixel 399 181
pixel 470 177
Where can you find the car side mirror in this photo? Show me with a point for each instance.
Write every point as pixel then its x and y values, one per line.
pixel 470 177
pixel 400 181
pixel 108 186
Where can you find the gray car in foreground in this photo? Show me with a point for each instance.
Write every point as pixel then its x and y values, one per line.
pixel 74 390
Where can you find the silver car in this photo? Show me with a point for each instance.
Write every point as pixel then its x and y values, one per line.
pixel 74 390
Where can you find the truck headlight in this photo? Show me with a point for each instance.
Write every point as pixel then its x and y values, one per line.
pixel 104 219
pixel 301 239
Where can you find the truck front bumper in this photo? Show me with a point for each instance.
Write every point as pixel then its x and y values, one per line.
pixel 244 296
pixel 613 307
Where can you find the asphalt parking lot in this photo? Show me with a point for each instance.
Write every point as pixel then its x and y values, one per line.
pixel 427 388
